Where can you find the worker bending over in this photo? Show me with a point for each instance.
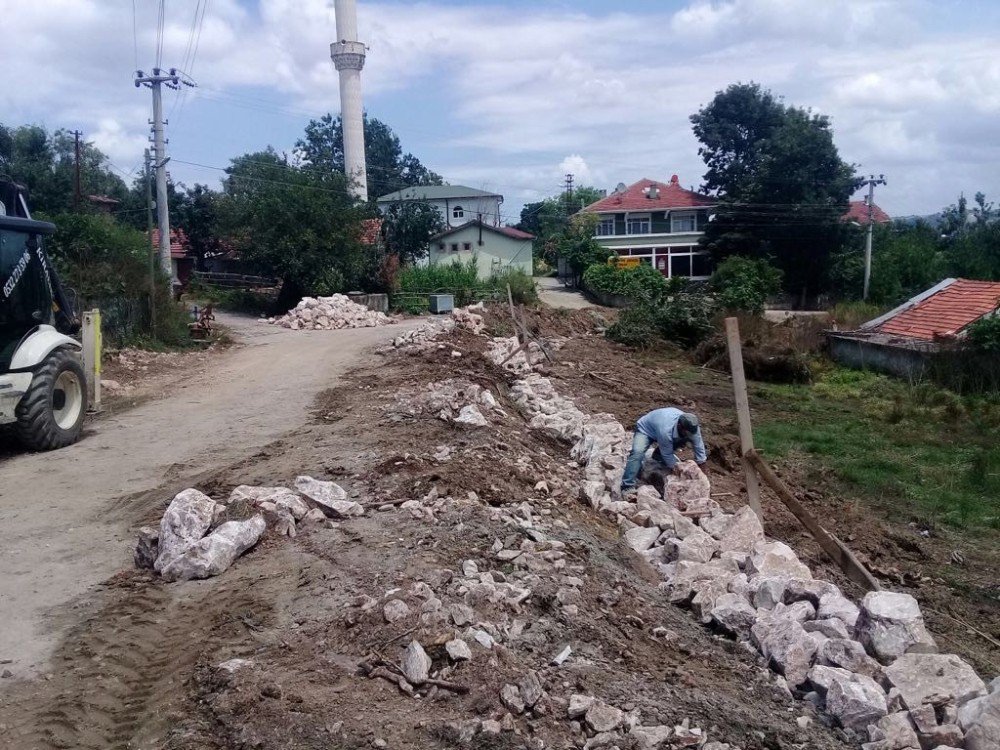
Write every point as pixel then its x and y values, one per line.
pixel 671 429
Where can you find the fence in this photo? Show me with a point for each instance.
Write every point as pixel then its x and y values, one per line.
pixel 122 318
pixel 234 280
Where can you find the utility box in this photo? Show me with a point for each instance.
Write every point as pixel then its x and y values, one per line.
pixel 441 303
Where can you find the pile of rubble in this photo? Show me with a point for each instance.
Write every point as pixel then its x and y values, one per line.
pixel 874 669
pixel 199 537
pixel 330 313
pixel 453 400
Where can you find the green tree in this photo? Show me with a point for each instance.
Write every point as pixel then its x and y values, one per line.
pixel 781 185
pixel 578 247
pixel 198 216
pixel 45 164
pixel 549 219
pixel 408 226
pixel 388 168
pixel 298 224
pixel 741 283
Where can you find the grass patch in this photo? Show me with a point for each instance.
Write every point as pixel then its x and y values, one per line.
pixel 915 451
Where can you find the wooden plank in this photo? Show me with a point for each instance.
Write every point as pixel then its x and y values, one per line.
pixel 743 412
pixel 834 548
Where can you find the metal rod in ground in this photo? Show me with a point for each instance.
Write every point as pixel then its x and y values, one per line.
pixel 743 412
pixel 834 548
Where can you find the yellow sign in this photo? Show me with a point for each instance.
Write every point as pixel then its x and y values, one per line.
pixel 624 262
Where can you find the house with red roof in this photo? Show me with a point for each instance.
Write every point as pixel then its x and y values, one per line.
pixel 857 213
pixel 495 248
pixel 181 260
pixel 901 341
pixel 657 223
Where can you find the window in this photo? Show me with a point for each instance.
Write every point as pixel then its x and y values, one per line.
pixel 683 222
pixel 690 262
pixel 441 246
pixel 458 212
pixel 637 225
pixel 606 227
pixel 466 245
pixel 454 247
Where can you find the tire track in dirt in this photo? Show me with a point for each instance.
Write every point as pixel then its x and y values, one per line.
pixel 126 667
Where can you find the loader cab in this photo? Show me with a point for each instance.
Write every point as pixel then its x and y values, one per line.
pixel 43 388
pixel 26 300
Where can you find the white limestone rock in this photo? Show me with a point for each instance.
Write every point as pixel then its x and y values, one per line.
pixel 733 614
pixel 214 553
pixel 982 724
pixel 510 696
pixel 706 593
pixel 184 523
pixel 690 490
pixel 716 524
pixel 415 664
pixel 857 702
pixel 821 677
pixel 458 650
pixel 890 624
pixel 651 738
pixel 579 705
pixel 641 538
pixel 470 415
pixel 788 647
pixel 832 628
pixel 743 533
pixel 531 688
pixel 768 591
pixel 601 717
pixel 329 497
pixel 894 732
pixel 776 559
pixel 695 547
pixel 809 590
pixel 839 606
pixel 919 677
pixel 847 654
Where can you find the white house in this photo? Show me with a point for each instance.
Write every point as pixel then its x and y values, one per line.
pixel 496 249
pixel 457 204
pixel 658 223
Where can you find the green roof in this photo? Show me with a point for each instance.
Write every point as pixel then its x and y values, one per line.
pixel 435 192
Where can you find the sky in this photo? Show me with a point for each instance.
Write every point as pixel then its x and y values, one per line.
pixel 510 96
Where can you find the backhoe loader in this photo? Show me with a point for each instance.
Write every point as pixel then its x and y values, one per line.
pixel 43 389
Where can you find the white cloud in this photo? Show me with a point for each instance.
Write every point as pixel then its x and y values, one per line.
pixel 529 87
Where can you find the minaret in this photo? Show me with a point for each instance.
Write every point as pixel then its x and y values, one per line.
pixel 349 58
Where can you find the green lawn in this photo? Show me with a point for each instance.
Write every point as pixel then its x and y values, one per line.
pixel 916 451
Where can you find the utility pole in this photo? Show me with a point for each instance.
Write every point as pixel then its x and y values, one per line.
pixel 77 191
pixel 148 179
pixel 155 82
pixel 872 182
pixel 569 194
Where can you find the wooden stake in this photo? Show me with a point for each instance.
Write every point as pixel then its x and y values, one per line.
pixel 834 548
pixel 742 411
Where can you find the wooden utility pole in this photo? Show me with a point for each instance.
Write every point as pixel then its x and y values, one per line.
pixel 743 412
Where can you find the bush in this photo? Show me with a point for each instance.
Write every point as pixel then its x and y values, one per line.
pixel 461 280
pixel 642 282
pixel 983 336
pixel 848 316
pixel 684 318
pixel 741 283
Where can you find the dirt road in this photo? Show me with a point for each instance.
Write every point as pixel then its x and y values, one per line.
pixel 553 293
pixel 62 528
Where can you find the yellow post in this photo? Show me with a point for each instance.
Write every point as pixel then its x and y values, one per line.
pixel 92 357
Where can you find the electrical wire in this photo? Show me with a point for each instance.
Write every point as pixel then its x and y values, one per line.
pixel 135 36
pixel 160 23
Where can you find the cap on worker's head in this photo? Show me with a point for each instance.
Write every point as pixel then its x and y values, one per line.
pixel 689 422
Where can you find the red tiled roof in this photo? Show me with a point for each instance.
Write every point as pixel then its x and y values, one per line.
pixel 515 233
pixel 858 211
pixel 944 314
pixel 178 243
pixel 636 197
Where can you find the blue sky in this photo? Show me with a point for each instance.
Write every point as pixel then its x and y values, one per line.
pixel 511 95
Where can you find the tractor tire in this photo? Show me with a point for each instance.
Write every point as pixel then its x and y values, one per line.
pixel 51 413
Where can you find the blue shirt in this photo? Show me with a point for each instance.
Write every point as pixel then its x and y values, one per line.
pixel 661 425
